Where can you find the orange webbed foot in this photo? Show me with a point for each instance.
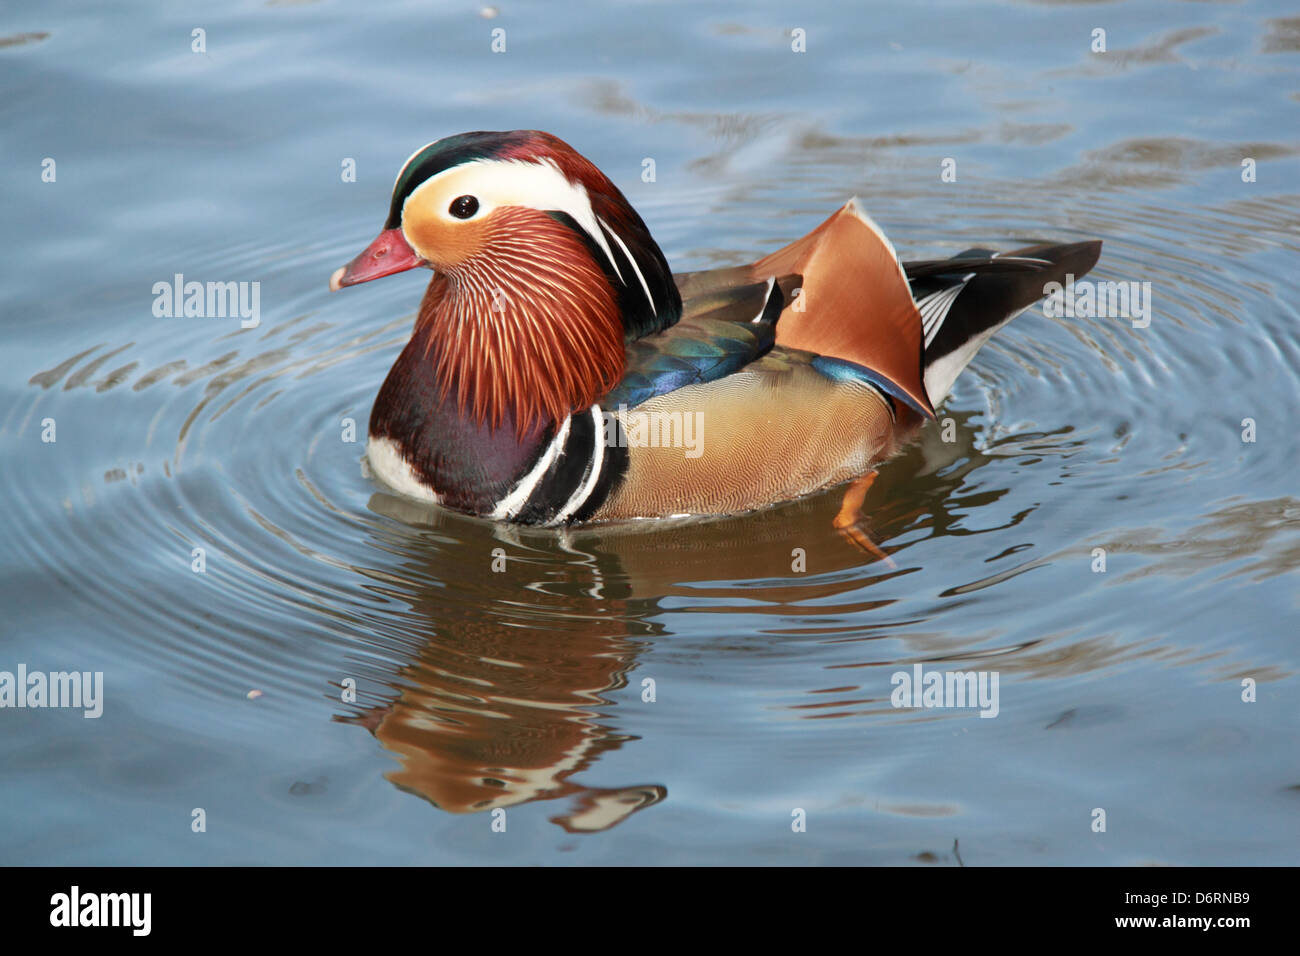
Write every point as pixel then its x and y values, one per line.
pixel 848 521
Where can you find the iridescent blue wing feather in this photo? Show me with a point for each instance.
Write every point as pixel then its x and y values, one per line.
pixel 720 332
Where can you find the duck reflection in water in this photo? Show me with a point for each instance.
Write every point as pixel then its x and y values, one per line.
pixel 500 705
pixel 506 682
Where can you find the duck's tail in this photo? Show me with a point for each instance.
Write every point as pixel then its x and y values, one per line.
pixel 965 299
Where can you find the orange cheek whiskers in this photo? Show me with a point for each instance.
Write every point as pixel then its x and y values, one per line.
pixel 528 327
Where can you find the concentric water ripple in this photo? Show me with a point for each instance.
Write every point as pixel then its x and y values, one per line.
pixel 1098 532
pixel 1066 434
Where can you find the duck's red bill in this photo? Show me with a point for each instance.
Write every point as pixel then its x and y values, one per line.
pixel 388 254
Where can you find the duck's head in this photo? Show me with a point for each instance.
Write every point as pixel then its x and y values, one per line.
pixel 539 253
pixel 462 204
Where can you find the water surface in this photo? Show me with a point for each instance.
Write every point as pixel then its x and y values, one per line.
pixel 524 689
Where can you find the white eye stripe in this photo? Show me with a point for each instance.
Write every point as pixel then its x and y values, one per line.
pixel 537 185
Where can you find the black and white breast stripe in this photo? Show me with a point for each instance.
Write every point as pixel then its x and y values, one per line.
pixel 571 476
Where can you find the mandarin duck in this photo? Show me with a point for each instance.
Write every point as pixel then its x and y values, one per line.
pixel 560 372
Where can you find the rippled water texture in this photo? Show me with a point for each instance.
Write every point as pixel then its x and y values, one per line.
pixel 525 688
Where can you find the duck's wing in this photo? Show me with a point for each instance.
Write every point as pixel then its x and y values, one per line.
pixel 847 301
pixel 907 328
pixel 854 304
pixel 845 298
pixel 722 329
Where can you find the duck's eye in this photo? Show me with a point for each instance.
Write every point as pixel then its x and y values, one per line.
pixel 463 207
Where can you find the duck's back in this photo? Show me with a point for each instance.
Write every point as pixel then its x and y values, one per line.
pixel 806 368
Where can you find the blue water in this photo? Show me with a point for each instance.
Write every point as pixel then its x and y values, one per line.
pixel 523 690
